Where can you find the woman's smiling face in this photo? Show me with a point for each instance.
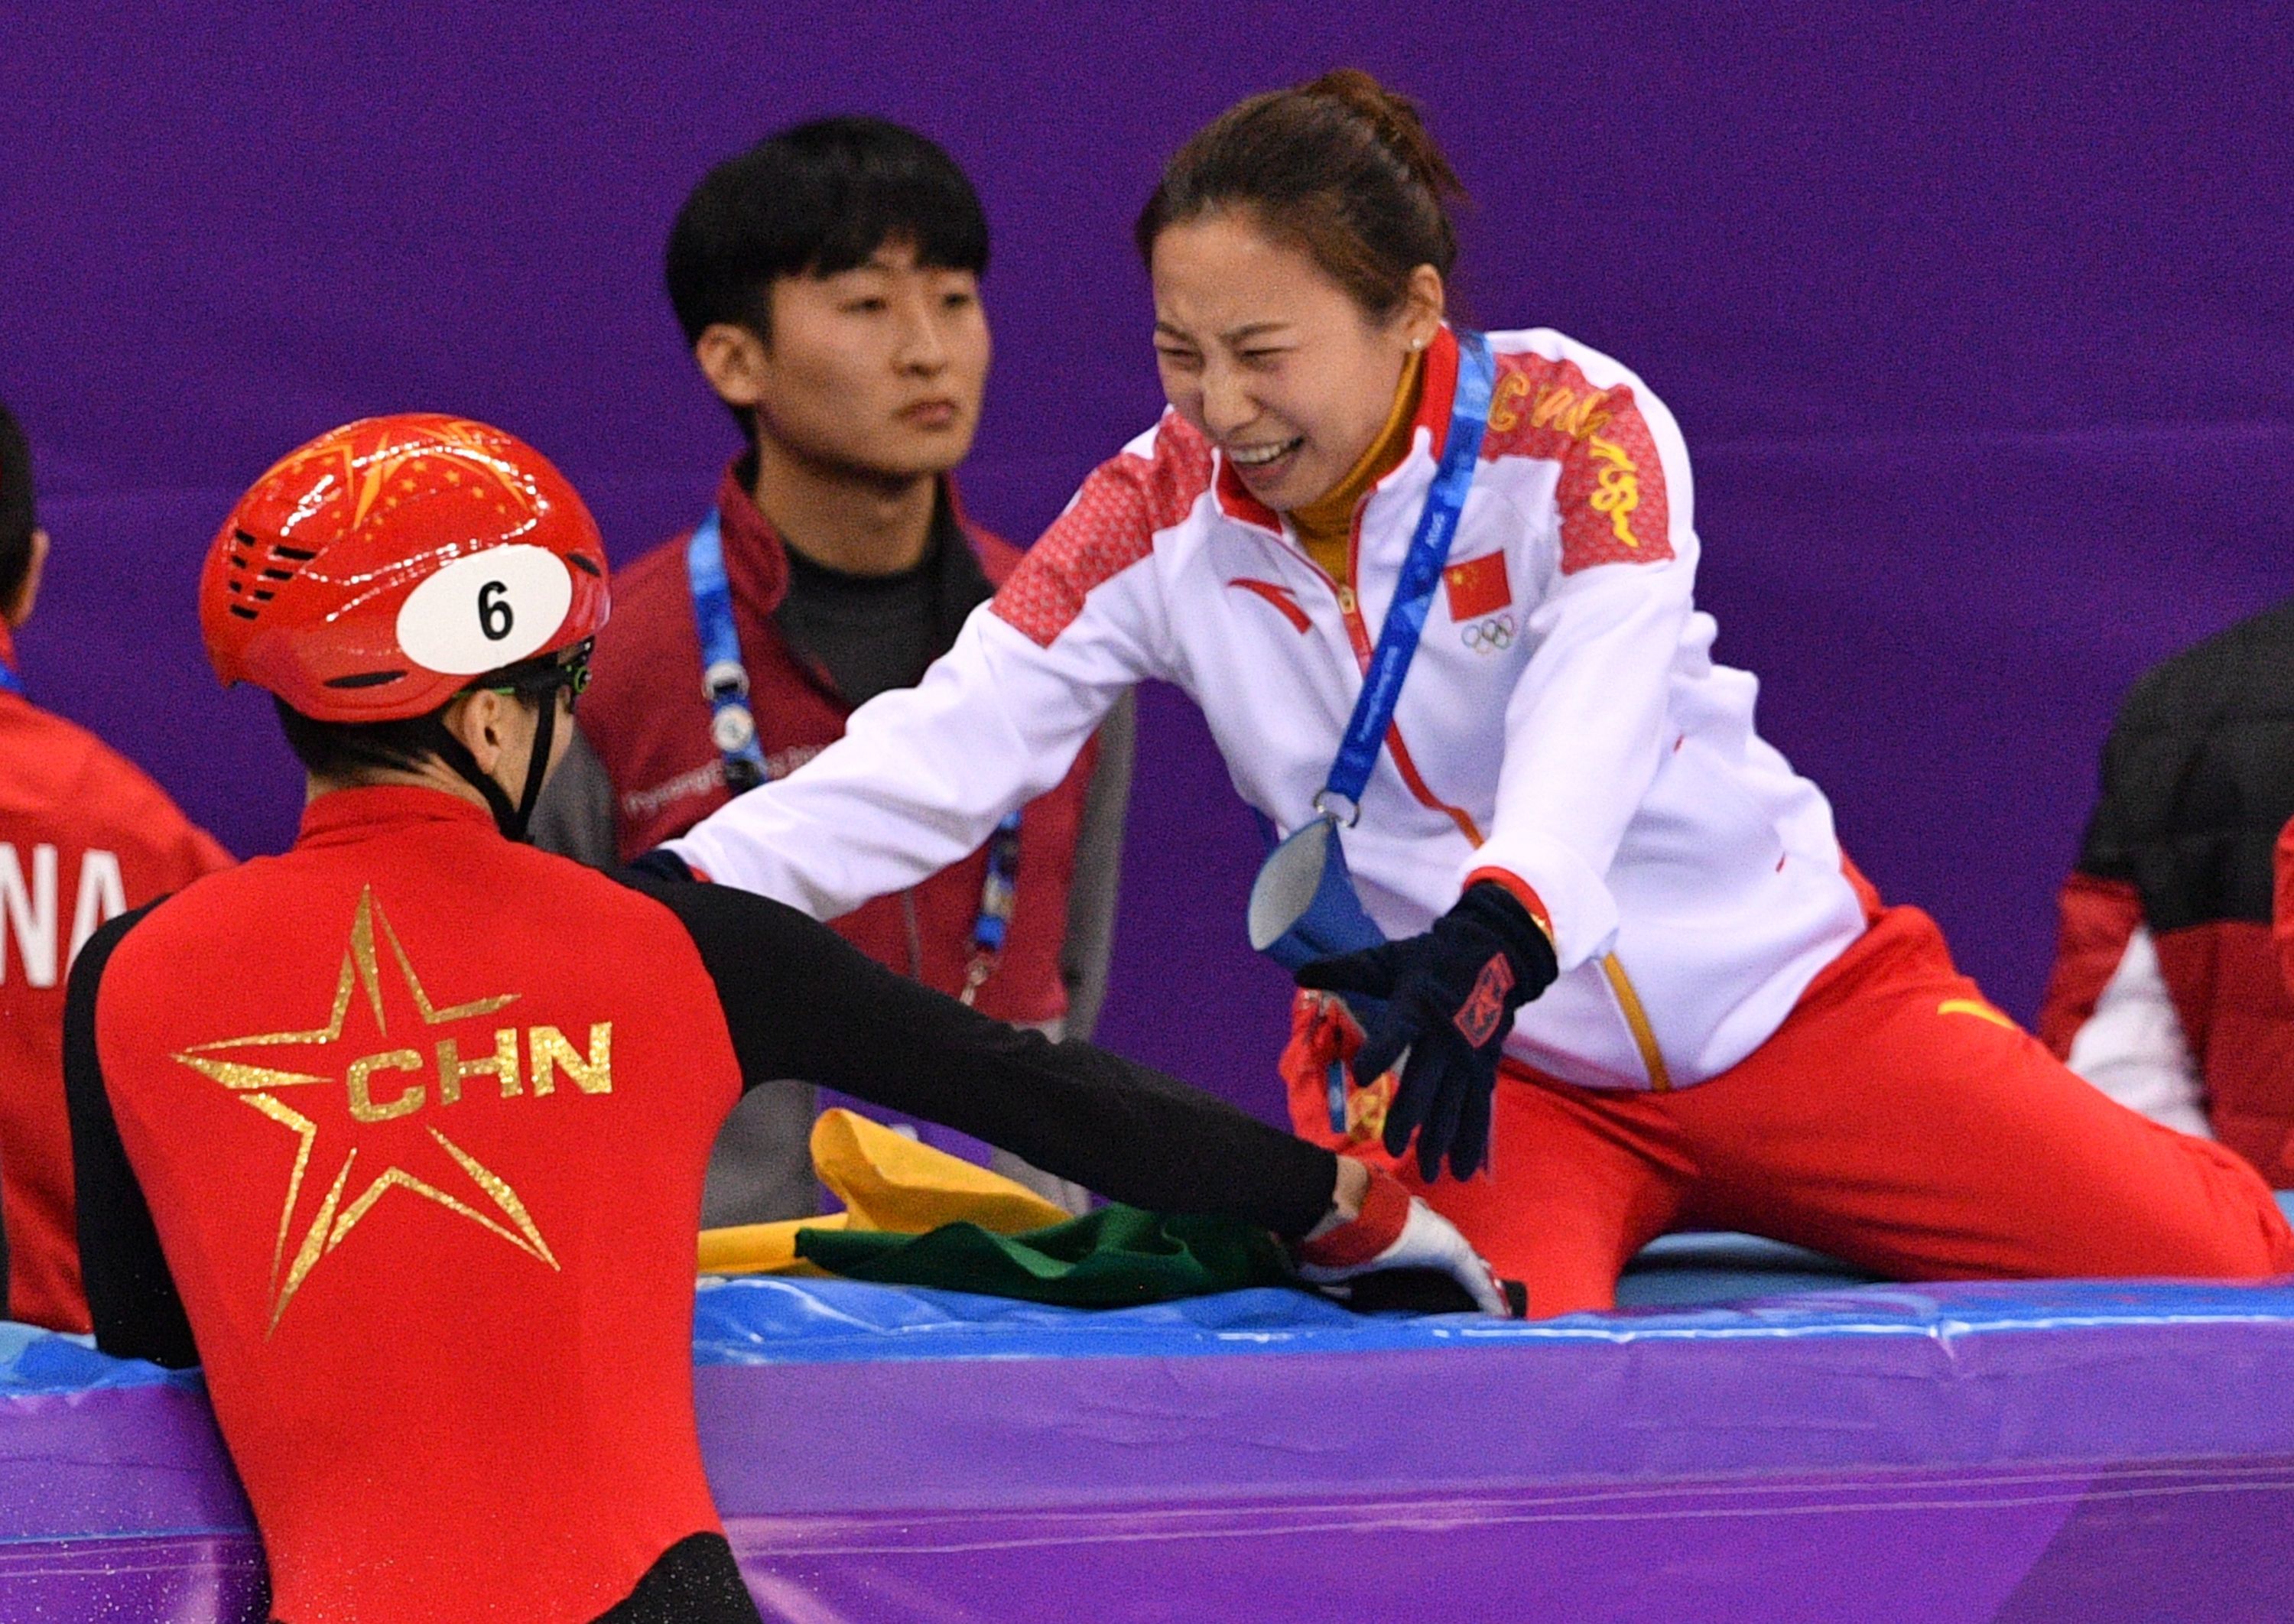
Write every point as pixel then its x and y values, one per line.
pixel 1266 354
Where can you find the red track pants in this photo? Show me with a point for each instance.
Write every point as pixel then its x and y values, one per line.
pixel 1896 1120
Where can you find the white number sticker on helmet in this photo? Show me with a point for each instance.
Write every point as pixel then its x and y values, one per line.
pixel 491 609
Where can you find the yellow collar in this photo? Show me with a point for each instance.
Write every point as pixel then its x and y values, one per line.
pixel 1325 526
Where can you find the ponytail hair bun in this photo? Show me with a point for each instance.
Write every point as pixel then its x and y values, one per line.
pixel 1395 119
pixel 1341 167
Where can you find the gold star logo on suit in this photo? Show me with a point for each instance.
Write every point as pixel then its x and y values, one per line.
pixel 335 1217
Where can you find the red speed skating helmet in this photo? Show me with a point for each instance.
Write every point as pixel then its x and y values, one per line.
pixel 372 574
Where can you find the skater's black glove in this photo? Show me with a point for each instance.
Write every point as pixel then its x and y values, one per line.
pixel 1452 996
pixel 661 863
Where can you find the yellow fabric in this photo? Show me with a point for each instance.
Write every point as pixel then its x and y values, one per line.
pixel 1325 526
pixel 887 1181
pixel 763 1248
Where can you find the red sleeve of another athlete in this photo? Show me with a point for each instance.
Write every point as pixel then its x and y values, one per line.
pixel 202 853
pixel 2098 918
pixel 2285 912
pixel 180 852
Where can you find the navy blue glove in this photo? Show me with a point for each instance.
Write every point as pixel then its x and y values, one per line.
pixel 1451 996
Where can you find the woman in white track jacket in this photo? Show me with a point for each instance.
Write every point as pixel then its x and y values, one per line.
pixel 1627 953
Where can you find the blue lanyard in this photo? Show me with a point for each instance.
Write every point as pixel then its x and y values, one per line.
pixel 999 890
pixel 733 729
pixel 10 683
pixel 724 678
pixel 1414 591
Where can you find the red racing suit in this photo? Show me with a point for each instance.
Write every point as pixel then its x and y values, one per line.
pixel 401 1137
pixel 83 836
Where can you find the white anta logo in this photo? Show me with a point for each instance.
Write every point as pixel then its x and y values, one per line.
pixel 27 909
pixel 488 609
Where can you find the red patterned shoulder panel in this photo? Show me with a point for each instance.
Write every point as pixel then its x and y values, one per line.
pixel 1612 489
pixel 1110 527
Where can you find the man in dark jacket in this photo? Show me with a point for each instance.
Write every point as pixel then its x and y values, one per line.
pixel 829 283
pixel 2166 993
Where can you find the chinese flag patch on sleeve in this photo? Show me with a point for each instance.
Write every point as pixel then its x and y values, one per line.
pixel 1477 586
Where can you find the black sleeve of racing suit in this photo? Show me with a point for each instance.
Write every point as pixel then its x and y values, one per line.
pixel 801 1002
pixel 131 1295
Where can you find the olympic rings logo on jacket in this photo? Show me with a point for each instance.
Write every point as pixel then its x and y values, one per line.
pixel 1489 637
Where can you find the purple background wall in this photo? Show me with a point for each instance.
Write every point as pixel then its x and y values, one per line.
pixel 1976 320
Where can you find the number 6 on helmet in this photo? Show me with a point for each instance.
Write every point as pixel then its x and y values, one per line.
pixel 371 573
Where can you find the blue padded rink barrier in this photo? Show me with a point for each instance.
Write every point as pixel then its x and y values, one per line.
pixel 1754 1434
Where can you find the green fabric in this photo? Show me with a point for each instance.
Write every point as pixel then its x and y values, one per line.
pixel 1112 1258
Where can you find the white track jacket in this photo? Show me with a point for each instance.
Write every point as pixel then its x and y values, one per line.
pixel 1564 728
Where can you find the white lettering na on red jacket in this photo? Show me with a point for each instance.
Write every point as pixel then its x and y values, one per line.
pixel 1563 724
